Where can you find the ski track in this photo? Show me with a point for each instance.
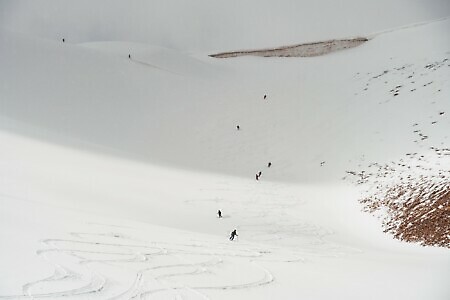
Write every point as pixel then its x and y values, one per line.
pixel 93 283
pixel 146 64
pixel 409 26
pixel 76 261
pixel 263 207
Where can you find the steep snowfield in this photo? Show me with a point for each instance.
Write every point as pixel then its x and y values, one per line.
pixel 112 168
pixel 314 105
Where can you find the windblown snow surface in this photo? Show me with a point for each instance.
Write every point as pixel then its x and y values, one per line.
pixel 112 168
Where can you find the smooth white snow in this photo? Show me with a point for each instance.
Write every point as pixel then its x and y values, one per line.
pixel 112 169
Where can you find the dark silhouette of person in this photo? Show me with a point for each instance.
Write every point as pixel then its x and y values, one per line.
pixel 129 56
pixel 219 213
pixel 265 96
pixel 233 234
pixel 257 176
pixel 64 40
pixel 269 164
pixel 237 127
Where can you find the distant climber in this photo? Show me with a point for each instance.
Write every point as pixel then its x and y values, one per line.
pixel 64 40
pixel 257 176
pixel 129 56
pixel 269 164
pixel 219 214
pixel 233 234
pixel 237 127
pixel 265 96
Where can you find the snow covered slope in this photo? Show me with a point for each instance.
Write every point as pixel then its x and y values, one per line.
pixel 314 106
pixel 119 145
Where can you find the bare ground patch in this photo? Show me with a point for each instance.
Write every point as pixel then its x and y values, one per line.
pixel 411 197
pixel 299 50
pixel 417 211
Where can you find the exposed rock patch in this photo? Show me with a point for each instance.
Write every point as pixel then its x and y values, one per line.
pixel 411 194
pixel 417 211
pixel 300 50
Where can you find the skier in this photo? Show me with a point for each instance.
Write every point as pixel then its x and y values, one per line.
pixel 219 213
pixel 237 127
pixel 257 176
pixel 269 164
pixel 129 56
pixel 265 96
pixel 233 234
pixel 64 40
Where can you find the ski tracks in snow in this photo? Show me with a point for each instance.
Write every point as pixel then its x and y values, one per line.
pixel 108 261
pixel 116 265
pixel 268 213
